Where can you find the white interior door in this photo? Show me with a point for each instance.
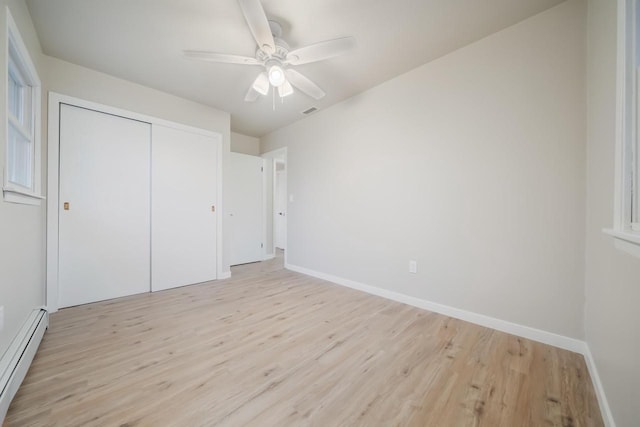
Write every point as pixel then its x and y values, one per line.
pixel 245 208
pixel 104 226
pixel 280 209
pixel 183 217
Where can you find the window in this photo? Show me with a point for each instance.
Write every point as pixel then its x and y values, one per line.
pixel 631 152
pixel 634 145
pixel 22 166
pixel 626 227
pixel 20 143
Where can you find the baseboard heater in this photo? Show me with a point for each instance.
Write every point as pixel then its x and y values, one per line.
pixel 17 359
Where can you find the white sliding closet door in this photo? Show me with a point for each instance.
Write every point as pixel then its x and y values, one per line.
pixel 104 226
pixel 184 192
pixel 245 208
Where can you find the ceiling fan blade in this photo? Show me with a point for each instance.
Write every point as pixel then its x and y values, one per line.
pixel 304 84
pixel 220 57
pixel 252 95
pixel 261 84
pixel 258 24
pixel 285 89
pixel 319 51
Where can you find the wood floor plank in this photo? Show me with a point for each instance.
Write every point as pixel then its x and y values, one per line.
pixel 270 347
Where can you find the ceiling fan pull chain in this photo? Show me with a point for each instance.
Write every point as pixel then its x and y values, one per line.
pixel 273 99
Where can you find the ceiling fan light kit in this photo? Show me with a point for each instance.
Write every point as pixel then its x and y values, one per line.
pixel 274 55
pixel 276 73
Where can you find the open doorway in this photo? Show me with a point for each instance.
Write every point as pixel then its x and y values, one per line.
pixel 280 205
pixel 276 203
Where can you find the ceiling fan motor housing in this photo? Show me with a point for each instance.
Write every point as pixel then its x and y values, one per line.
pixel 282 49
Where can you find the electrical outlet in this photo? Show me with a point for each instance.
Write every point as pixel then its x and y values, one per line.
pixel 413 266
pixel 1 318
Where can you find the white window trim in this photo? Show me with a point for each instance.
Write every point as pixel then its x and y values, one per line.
pixel 11 192
pixel 625 232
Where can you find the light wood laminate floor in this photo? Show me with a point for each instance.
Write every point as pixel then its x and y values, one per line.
pixel 270 347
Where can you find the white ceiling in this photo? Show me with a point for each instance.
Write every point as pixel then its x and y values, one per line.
pixel 142 40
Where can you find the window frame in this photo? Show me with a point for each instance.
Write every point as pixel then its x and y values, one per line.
pixel 631 135
pixel 626 227
pixel 17 56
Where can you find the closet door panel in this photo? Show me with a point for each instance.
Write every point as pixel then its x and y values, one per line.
pixel 183 217
pixel 104 224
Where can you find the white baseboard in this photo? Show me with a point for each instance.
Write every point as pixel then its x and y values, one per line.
pixel 224 275
pixel 545 337
pixel 268 257
pixel 18 357
pixel 605 409
pixel 534 334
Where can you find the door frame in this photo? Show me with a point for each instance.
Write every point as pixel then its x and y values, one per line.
pixel 53 174
pixel 273 156
pixel 276 179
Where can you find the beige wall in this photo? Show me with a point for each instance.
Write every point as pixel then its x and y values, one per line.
pixel 472 164
pixel 245 144
pixel 73 80
pixel 612 315
pixel 22 270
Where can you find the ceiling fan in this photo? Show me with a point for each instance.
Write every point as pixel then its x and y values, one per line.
pixel 275 56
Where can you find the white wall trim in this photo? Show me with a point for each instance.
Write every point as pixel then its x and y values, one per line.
pixel 220 209
pixel 17 359
pixel 534 334
pixel 267 257
pixel 224 275
pixel 274 156
pixel 618 196
pixel 265 194
pixel 32 196
pixel 605 409
pixel 626 116
pixel 627 241
pixel 53 163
